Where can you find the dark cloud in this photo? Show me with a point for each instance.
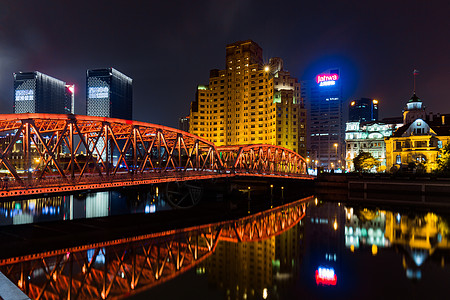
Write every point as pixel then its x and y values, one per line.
pixel 169 47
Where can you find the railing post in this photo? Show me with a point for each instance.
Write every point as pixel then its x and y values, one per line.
pixel 105 129
pixel 135 149
pixel 72 155
pixel 26 150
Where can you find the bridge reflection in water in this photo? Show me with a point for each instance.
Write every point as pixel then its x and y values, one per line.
pixel 122 267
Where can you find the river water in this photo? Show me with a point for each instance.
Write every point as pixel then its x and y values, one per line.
pixel 333 250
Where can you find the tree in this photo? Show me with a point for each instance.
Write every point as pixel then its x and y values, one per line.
pixel 443 160
pixel 364 162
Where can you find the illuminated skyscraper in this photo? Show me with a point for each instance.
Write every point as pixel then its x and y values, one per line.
pixel 363 110
pixel 35 92
pixel 109 94
pixel 323 97
pixel 250 102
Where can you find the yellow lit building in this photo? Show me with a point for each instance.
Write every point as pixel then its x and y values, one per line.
pixel 250 102
pixel 417 143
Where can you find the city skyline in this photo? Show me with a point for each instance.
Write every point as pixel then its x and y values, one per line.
pixel 377 48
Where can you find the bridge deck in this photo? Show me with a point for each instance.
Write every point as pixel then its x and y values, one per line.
pixel 57 185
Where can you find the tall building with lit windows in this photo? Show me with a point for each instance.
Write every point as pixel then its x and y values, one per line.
pixel 324 100
pixel 35 92
pixel 109 94
pixel 250 102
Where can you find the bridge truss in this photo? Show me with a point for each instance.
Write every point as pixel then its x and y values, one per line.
pixel 126 266
pixel 46 153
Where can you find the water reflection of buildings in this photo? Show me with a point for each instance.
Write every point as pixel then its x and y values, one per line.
pixel 324 227
pixel 365 227
pixel 421 238
pixel 69 207
pixel 243 269
pixel 256 269
pixel 129 265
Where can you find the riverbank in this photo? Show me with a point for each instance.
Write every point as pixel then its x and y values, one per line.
pixel 425 191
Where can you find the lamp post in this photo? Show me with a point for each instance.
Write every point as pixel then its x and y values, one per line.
pixel 335 148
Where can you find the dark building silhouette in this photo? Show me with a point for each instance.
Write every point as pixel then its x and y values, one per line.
pixel 183 123
pixel 363 110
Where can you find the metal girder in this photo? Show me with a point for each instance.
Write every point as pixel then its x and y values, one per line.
pixel 76 147
pixel 262 159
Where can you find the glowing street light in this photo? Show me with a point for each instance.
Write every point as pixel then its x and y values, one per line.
pixel 266 69
pixel 335 148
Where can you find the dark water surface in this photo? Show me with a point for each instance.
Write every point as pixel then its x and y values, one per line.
pixel 335 250
pixel 374 253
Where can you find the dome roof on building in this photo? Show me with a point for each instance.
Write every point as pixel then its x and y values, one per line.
pixel 414 98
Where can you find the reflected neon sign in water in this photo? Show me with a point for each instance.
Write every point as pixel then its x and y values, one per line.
pixel 325 276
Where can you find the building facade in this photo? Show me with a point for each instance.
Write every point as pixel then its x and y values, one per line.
pixel 367 137
pixel 109 93
pixel 363 110
pixel 416 145
pixel 324 101
pixel 35 92
pixel 250 102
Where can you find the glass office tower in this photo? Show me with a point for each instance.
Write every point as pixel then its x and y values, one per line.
pixel 324 100
pixel 109 94
pixel 363 110
pixel 35 92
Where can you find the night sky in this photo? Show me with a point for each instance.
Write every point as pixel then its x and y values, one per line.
pixel 168 48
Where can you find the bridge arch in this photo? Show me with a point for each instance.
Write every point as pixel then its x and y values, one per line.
pixel 262 158
pixel 51 153
pixel 74 145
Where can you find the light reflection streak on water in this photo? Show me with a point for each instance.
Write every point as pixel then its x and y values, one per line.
pixel 69 207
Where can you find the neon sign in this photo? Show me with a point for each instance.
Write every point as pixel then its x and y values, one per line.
pixel 22 95
pixel 327 79
pixel 98 92
pixel 325 276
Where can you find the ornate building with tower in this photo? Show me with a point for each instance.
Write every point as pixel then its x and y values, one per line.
pixel 415 145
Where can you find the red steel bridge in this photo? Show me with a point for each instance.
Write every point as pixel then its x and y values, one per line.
pixel 51 153
pixel 123 267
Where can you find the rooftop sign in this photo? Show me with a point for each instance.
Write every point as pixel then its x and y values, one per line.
pixel 327 79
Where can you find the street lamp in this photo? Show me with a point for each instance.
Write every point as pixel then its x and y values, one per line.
pixel 335 148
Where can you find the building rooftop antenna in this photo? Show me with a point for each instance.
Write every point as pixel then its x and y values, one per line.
pixel 415 73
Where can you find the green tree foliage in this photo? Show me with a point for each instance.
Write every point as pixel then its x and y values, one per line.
pixel 364 162
pixel 443 161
